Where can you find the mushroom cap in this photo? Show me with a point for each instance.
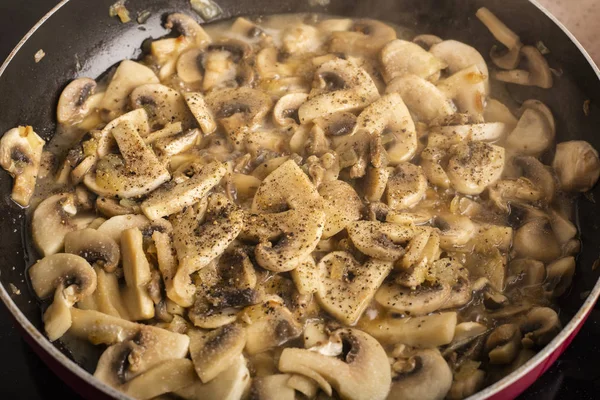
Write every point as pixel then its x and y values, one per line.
pixel 73 101
pixel 430 379
pixel 363 373
pixel 96 247
pixel 577 165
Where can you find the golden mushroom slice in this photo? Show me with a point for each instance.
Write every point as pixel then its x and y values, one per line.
pixel 96 247
pixel 342 274
pixel 406 186
pixel 163 104
pixel 540 326
pixel 239 111
pixel 128 76
pixel 53 218
pixel 136 270
pixel 363 373
pixel 400 57
pixel 539 174
pixel 215 351
pixel 339 85
pixel 21 156
pixel 390 118
pixel 424 299
pixel 458 56
pixel 115 226
pixel 170 200
pixel 474 165
pixel 232 384
pixel 137 171
pixel 420 374
pixel 468 90
pixel 361 36
pixel 503 344
pixel 577 165
pixel 414 90
pixel 380 240
pixel 71 278
pixel 199 236
pixel 166 377
pixel 342 206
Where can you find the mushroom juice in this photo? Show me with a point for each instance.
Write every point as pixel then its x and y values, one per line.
pixel 303 206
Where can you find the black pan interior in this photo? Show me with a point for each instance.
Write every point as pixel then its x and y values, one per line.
pixel 81 40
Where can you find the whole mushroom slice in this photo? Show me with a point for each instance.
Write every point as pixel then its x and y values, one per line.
pixel 390 118
pixel 170 200
pixel 285 112
pixel 361 36
pixel 343 274
pixel 467 88
pixel 474 165
pixel 215 351
pixel 116 225
pixel 53 218
pixel 420 375
pixel 504 35
pixel 363 373
pixel 406 186
pixel 21 156
pixel 339 85
pixel 166 377
pixel 341 204
pixel 400 57
pixel 380 240
pixel 414 89
pixel 200 236
pixel 74 101
pixel 136 270
pixel 533 134
pixel 269 325
pixel 425 331
pixel 96 247
pixel 539 174
pixel 137 171
pixel 424 299
pixel 454 230
pixel 458 56
pixel 128 75
pixel 540 326
pixel 577 165
pixel 538 71
pixel 536 240
pixel 163 104
pixel 231 384
pixel 239 110
pixel 507 191
pixel 201 112
pixel 503 344
pixel 559 275
pixel 71 278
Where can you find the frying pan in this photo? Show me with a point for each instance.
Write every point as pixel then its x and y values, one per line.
pixel 80 39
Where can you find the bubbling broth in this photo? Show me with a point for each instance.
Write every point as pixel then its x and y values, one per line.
pixel 303 206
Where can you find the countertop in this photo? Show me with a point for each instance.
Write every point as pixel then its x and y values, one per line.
pixel 575 375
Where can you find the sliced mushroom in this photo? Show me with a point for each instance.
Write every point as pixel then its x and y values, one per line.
pixel 521 190
pixel 199 237
pixel 71 279
pixel 533 134
pixel 458 56
pixel 188 27
pixel 73 103
pixel 171 200
pixel 304 385
pixel 362 374
pixel 420 375
pixel 53 219
pixel 239 110
pixel 414 89
pixel 495 111
pixel 540 326
pixel 474 165
pixel 272 387
pixel 527 272
pixel 563 228
pixel 343 274
pixel 201 112
pixel 539 174
pixel 536 240
pixel 97 248
pixel 425 331
pixel 577 165
pixel 163 104
pixel 342 206
pixel 306 276
pixel 285 112
pixel 215 351
pixel 136 270
pixel 128 76
pixel 166 377
pixel 406 186
pixel 362 36
pixel 421 251
pixel 108 296
pixel 136 172
pixel 115 226
pixel 559 275
pixel 467 384
pixel 390 118
pixel 269 325
pixel 271 66
pixel 339 86
pixel 380 240
pixel 223 64
pixel 488 132
pixel 426 298
pixel 454 230
pixel 504 35
pixel 301 38
pixel 337 124
pixel 537 73
pixel 21 156
pixel 401 57
pixel 467 89
pixel 503 344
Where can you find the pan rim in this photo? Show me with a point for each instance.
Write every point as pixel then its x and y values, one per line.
pixel 576 321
